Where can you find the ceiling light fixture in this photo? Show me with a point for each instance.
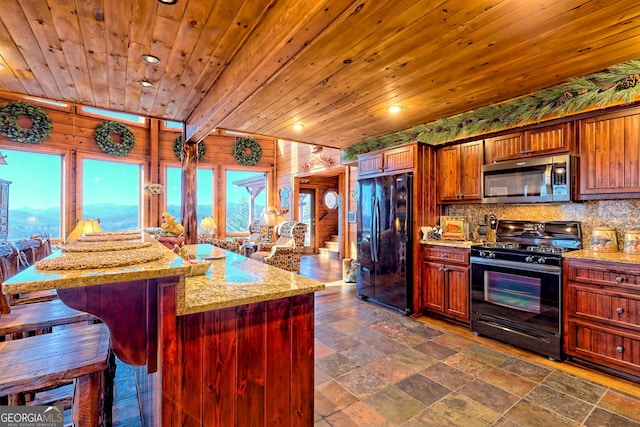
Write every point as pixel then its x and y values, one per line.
pixel 168 1
pixel 298 127
pixel 150 59
pixel 2 66
pixel 394 109
pixel 145 83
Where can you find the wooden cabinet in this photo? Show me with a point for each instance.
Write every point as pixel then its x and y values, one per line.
pixel 459 172
pixel 399 159
pixel 602 314
pixel 445 282
pixel 534 142
pixel 4 210
pixel 610 156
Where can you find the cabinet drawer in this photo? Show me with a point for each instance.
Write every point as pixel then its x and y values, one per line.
pixel 437 253
pixel 615 309
pixel 611 275
pixel 609 347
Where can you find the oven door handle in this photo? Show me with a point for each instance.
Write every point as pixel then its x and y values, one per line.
pixel 550 269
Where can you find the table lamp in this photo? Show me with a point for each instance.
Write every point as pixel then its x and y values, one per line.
pixel 84 226
pixel 269 217
pixel 208 225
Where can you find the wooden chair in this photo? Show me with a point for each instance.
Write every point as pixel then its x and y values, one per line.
pixel 43 250
pixel 82 355
pixel 285 253
pixel 9 267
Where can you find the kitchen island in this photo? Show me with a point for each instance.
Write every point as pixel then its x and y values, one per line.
pixel 231 347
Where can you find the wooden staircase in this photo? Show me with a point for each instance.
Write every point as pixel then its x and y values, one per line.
pixel 330 249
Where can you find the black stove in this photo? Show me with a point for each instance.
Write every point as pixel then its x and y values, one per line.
pixel 532 242
pixel 516 284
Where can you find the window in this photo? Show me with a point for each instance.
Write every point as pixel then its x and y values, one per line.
pixel 35 193
pixel 246 198
pixel 174 191
pixel 204 194
pixel 114 115
pixel 111 192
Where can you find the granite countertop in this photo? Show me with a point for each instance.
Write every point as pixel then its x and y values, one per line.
pixel 231 280
pixel 585 254
pixel 235 280
pixel 451 243
pixel 32 279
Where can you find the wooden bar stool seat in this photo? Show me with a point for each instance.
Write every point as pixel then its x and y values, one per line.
pixel 33 319
pixel 44 361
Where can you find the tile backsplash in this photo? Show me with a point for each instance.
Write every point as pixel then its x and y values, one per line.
pixel 623 215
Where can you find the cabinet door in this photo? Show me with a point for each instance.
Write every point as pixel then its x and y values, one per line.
pixel 471 160
pixel 369 164
pixel 433 286
pixel 505 147
pixel 398 159
pixel 457 288
pixel 449 173
pixel 610 154
pixel 549 139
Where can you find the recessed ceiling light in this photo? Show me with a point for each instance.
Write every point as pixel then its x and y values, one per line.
pixel 145 83
pixel 150 59
pixel 298 127
pixel 394 109
pixel 168 1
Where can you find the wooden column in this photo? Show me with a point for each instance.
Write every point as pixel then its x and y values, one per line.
pixel 189 191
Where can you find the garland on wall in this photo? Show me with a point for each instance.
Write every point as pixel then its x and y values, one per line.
pixel 247 151
pixel 41 124
pixel 177 148
pixel 104 139
pixel 617 84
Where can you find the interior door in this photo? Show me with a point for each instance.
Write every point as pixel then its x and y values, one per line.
pixel 307 215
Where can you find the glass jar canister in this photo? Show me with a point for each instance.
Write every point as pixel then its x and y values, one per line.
pixel 632 242
pixel 604 239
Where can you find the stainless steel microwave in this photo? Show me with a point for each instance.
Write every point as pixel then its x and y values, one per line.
pixel 530 180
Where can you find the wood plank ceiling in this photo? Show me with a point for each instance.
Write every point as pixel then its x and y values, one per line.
pixel 333 66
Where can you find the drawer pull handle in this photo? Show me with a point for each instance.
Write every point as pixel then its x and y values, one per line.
pixel 620 310
pixel 619 349
pixel 619 279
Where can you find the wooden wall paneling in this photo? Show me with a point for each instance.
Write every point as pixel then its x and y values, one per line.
pixel 191 330
pixel 252 347
pixel 219 358
pixel 302 356
pixel 278 375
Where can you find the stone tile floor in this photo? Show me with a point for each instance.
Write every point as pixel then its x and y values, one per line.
pixel 375 367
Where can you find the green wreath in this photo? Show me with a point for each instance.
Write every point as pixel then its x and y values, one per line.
pixel 41 125
pixel 177 148
pixel 108 145
pixel 241 148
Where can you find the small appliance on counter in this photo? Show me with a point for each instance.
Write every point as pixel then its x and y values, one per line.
pixel 603 239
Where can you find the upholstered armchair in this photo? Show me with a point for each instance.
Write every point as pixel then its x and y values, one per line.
pixel 258 234
pixel 286 251
pixel 227 245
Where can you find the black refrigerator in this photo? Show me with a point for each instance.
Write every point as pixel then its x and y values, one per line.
pixel 384 237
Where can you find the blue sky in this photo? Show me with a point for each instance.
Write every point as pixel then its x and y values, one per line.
pixel 104 181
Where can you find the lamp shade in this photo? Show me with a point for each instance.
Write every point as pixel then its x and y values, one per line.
pixel 84 226
pixel 208 223
pixel 269 217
